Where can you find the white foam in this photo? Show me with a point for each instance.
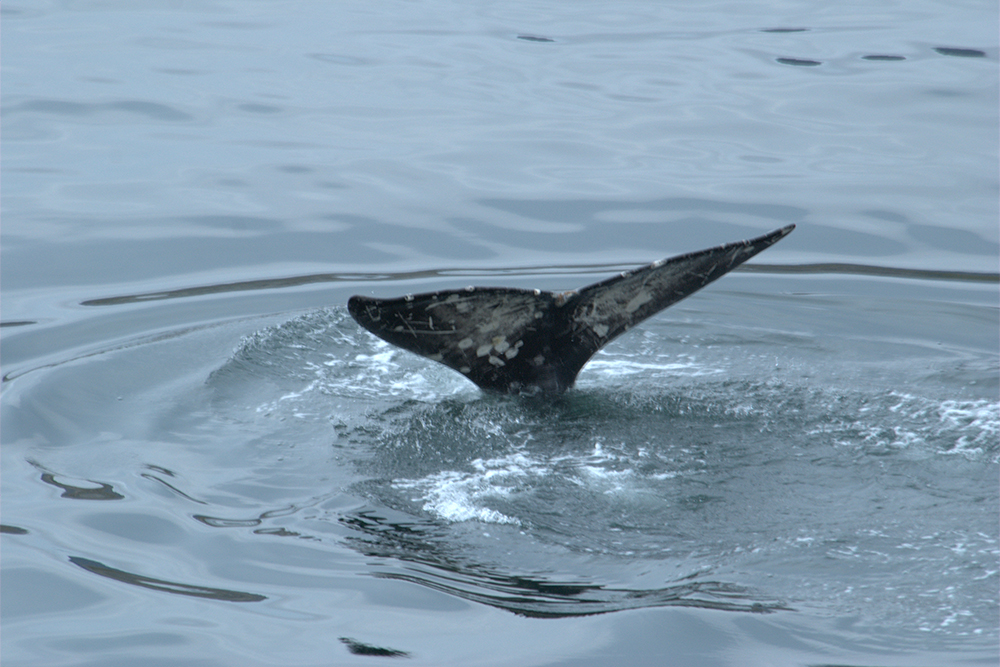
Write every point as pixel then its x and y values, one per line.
pixel 607 365
pixel 966 428
pixel 461 496
pixel 465 496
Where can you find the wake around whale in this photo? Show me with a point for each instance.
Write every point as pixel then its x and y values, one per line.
pixel 519 341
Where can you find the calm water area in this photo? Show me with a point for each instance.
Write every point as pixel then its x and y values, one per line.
pixel 205 461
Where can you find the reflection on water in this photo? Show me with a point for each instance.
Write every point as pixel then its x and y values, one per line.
pixel 102 491
pixel 410 544
pixel 483 274
pixel 360 648
pixel 174 587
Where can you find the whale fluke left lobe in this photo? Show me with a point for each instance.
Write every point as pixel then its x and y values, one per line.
pixel 531 341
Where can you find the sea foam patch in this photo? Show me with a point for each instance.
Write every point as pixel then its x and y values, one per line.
pixel 968 428
pixel 463 496
pixel 468 495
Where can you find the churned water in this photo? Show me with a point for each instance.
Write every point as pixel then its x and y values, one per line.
pixel 206 461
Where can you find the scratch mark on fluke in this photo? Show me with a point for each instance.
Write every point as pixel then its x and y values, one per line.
pixel 521 341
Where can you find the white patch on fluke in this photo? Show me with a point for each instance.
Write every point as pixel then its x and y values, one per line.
pixel 639 300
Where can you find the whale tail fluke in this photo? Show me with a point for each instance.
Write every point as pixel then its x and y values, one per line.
pixel 530 341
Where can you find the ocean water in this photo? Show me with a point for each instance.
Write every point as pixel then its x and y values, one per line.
pixel 206 461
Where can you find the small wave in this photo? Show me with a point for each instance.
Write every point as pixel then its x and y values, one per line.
pixel 429 557
pixel 901 421
pixel 322 357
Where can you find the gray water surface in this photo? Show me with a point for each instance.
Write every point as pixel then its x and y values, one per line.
pixel 206 461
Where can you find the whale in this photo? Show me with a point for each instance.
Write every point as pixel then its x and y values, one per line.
pixel 530 342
